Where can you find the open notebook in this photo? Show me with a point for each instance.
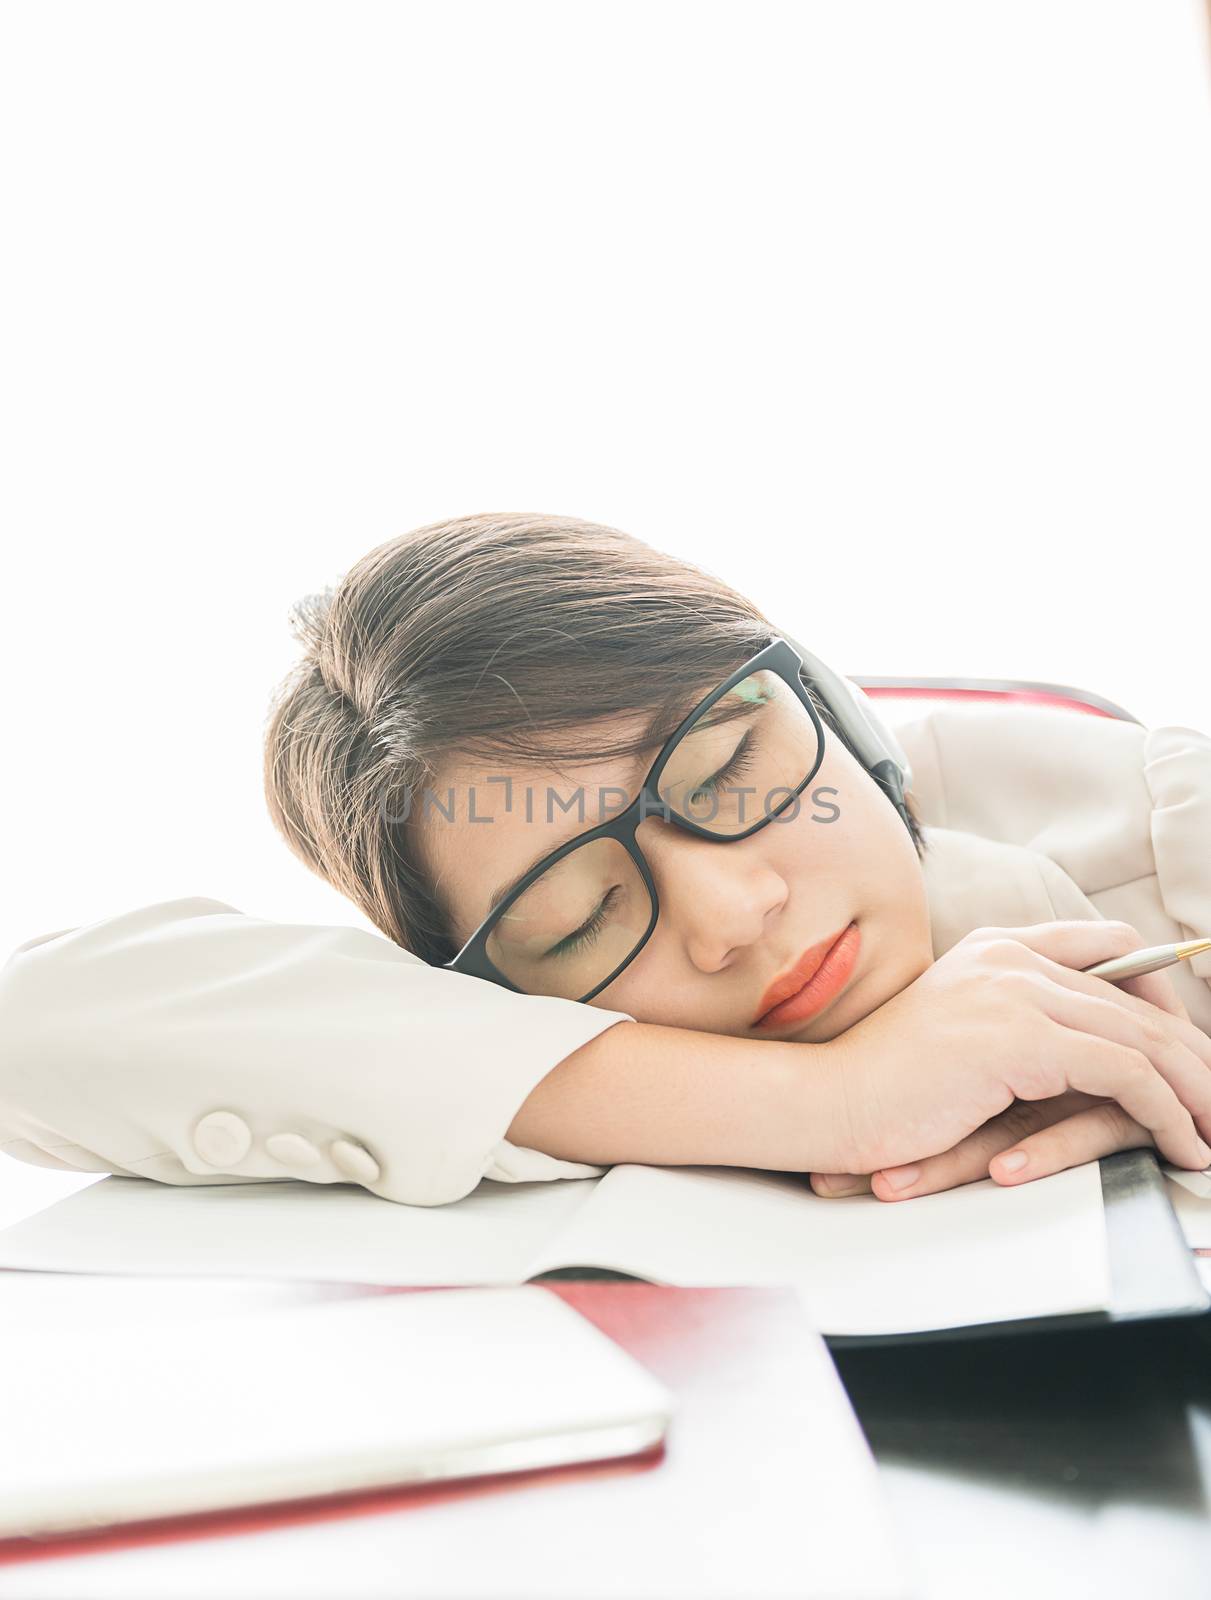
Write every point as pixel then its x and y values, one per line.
pixel 1097 1243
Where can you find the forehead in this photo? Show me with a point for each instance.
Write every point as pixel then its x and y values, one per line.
pixel 479 824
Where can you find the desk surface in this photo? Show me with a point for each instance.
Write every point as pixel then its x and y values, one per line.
pixel 1072 1463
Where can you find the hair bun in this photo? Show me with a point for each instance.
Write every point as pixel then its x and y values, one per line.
pixel 308 620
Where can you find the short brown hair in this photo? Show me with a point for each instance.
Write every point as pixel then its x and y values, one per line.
pixel 484 636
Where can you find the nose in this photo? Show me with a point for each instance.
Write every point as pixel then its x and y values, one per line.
pixel 718 898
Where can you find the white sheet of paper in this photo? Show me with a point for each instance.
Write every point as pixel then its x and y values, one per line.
pixel 1193 1212
pixel 332 1232
pixel 1193 1181
pixel 26 1189
pixel 978 1253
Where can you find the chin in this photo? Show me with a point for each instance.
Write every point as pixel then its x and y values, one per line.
pixel 834 1021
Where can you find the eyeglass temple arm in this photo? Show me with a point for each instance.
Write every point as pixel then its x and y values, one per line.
pixel 875 743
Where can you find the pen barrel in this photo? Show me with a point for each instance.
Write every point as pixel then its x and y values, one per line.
pixel 1135 965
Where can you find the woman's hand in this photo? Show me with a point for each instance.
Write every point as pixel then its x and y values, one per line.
pixel 1084 1066
pixel 1050 1135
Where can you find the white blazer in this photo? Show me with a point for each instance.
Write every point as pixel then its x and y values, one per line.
pixel 192 1043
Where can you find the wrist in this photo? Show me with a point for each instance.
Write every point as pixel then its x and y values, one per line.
pixel 820 1119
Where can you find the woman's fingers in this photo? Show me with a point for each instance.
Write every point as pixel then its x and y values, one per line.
pixel 1143 1073
pixel 1030 1140
pixel 831 1185
pixel 1077 942
pixel 1073 945
pixel 1153 991
pixel 967 1161
pixel 1174 1101
pixel 1159 990
pixel 1085 1136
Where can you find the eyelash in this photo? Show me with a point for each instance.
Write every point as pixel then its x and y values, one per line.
pixel 584 936
pixel 736 767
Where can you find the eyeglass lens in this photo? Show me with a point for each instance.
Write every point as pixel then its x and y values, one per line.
pixel 740 761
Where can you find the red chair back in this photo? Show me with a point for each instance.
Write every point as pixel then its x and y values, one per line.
pixel 969 691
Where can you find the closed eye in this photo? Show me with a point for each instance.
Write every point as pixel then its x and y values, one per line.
pixel 587 932
pixel 737 765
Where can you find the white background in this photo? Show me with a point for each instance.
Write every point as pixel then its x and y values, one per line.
pixel 895 315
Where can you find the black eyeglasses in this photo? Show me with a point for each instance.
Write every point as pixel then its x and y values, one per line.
pixel 576 919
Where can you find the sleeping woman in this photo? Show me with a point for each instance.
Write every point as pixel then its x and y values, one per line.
pixel 541 753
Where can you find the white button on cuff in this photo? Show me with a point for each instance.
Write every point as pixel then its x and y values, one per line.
pixel 355 1161
pixel 222 1139
pixel 292 1150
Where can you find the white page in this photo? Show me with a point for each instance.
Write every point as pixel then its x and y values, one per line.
pixel 361 1392
pixel 1193 1213
pixel 25 1189
pixel 1195 1181
pixel 974 1254
pixel 978 1253
pixel 335 1233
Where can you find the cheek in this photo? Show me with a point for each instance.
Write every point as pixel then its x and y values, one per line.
pixel 820 841
pixel 641 989
pixel 852 824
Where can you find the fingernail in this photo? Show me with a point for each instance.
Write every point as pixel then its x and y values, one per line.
pixel 1204 1151
pixel 837 1184
pixel 1014 1161
pixel 901 1177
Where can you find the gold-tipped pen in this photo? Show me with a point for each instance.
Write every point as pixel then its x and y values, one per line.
pixel 1193 948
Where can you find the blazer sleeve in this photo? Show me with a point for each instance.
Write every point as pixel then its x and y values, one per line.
pixel 1120 812
pixel 188 1042
pixel 1177 770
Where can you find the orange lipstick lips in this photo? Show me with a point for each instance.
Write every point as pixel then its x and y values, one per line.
pixel 812 983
